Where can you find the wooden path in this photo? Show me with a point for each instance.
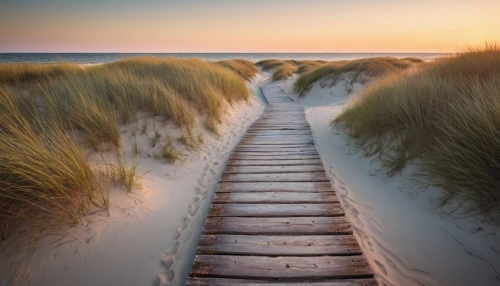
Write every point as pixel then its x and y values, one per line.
pixel 275 218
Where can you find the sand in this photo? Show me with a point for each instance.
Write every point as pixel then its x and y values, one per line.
pixel 149 237
pixel 406 237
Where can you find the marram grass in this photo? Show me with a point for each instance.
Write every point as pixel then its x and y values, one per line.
pixel 359 69
pixel 50 114
pixel 445 117
pixel 43 173
pixel 244 68
pixel 284 69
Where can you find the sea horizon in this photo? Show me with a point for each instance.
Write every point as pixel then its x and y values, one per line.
pixel 93 58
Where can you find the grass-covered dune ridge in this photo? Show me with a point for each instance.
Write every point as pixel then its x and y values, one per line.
pixel 284 69
pixel 245 68
pixel 445 117
pixel 360 70
pixel 16 74
pixel 53 116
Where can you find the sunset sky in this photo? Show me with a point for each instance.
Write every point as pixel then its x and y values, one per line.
pixel 246 26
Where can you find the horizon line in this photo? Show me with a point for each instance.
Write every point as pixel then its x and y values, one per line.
pixel 227 52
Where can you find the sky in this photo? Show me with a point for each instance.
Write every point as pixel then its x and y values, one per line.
pixel 320 26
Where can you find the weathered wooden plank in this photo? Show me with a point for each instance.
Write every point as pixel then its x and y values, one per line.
pixel 285 131
pixel 279 132
pixel 258 155
pixel 283 116
pixel 273 169
pixel 275 210
pixel 275 197
pixel 277 225
pixel 276 142
pixel 270 150
pixel 259 128
pixel 277 146
pixel 197 281
pixel 279 124
pixel 272 137
pixel 286 149
pixel 311 187
pixel 278 107
pixel 280 137
pixel 274 245
pixel 274 162
pixel 289 107
pixel 273 156
pixel 276 177
pixel 284 268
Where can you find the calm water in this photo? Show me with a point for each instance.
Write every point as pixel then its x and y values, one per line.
pixel 92 58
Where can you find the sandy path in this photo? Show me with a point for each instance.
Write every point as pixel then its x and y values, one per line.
pixel 406 237
pixel 150 239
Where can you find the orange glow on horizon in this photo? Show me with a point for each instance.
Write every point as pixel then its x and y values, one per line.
pixel 318 26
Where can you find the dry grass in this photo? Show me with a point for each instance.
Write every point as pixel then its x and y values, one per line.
pixel 49 112
pixel 19 74
pixel 284 69
pixel 447 116
pixel 43 173
pixel 359 70
pixel 245 68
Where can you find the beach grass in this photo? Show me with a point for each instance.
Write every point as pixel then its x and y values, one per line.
pixel 52 116
pixel 245 68
pixel 43 173
pixel 358 70
pixel 20 74
pixel 444 117
pixel 284 69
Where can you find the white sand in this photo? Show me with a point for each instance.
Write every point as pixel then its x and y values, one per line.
pixel 405 236
pixel 149 238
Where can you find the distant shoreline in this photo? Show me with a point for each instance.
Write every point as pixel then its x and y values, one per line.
pixel 97 58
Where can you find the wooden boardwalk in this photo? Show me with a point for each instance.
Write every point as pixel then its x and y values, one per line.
pixel 275 218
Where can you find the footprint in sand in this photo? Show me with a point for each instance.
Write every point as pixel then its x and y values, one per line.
pixel 354 212
pixel 370 246
pixel 193 209
pixel 167 261
pixel 381 267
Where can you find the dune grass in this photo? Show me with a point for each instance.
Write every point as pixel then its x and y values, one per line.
pixel 284 69
pixel 360 70
pixel 51 116
pixel 445 118
pixel 245 68
pixel 43 173
pixel 96 100
pixel 18 74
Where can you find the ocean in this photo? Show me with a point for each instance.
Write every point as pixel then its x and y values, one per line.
pixel 95 58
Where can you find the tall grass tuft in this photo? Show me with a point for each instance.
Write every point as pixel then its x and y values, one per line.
pixel 362 68
pixel 284 69
pixel 49 112
pixel 43 173
pixel 245 68
pixel 18 74
pixel 446 117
